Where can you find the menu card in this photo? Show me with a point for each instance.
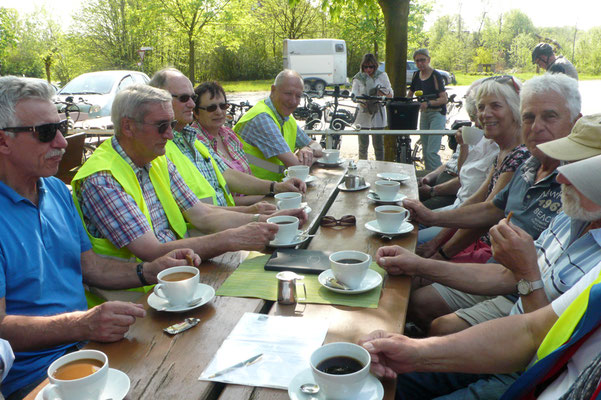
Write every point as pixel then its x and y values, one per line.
pixel 285 342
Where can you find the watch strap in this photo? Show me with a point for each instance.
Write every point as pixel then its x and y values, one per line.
pixel 140 272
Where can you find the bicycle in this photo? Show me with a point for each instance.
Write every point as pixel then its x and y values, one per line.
pixel 235 112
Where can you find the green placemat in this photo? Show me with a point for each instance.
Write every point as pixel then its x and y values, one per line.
pixel 251 280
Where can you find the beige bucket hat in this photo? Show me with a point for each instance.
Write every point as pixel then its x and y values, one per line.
pixel 583 142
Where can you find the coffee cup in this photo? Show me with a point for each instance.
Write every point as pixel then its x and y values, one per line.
pixel 288 200
pixel 331 155
pixel 297 171
pixel 471 135
pixel 387 190
pixel 340 369
pixel 177 285
pixel 350 267
pixel 287 228
pixel 390 218
pixel 81 375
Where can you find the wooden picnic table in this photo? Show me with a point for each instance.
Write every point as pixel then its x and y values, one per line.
pixel 161 366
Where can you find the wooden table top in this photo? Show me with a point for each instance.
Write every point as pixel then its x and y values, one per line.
pixel 161 366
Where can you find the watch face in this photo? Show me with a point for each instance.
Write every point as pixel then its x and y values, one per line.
pixel 524 287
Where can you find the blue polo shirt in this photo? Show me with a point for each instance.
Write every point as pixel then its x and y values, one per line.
pixel 40 267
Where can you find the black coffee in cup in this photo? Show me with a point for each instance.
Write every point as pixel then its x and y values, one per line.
pixel 349 261
pixel 340 365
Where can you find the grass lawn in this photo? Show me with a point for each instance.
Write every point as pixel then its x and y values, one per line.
pixel 247 86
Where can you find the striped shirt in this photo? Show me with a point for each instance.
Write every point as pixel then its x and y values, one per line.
pixel 109 212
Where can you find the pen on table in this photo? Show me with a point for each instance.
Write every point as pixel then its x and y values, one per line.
pixel 244 363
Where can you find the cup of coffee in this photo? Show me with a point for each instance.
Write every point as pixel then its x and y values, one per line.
pixel 340 369
pixel 350 267
pixel 387 190
pixel 331 155
pixel 287 228
pixel 78 375
pixel 297 171
pixel 177 285
pixel 288 200
pixel 471 135
pixel 390 218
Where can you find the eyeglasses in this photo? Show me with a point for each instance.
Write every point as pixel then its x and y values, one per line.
pixel 161 126
pixel 346 220
pixel 183 98
pixel 421 60
pixel 369 67
pixel 504 79
pixel 213 107
pixel 44 133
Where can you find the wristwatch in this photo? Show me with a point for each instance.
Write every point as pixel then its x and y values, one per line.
pixel 525 287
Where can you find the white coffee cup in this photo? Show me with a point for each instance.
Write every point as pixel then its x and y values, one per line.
pixel 387 190
pixel 287 228
pixel 288 200
pixel 390 218
pixel 177 292
pixel 87 388
pixel 340 387
pixel 298 171
pixel 331 155
pixel 471 135
pixel 350 273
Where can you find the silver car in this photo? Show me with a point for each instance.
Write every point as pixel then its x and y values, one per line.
pixel 448 77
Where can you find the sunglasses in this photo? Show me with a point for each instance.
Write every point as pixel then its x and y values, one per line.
pixel 183 98
pixel 213 107
pixel 161 126
pixel 44 133
pixel 504 79
pixel 346 220
pixel 421 60
pixel 369 67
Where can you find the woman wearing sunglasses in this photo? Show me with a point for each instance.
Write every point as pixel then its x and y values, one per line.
pixel 369 81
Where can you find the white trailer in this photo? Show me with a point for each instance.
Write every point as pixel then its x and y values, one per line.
pixel 321 62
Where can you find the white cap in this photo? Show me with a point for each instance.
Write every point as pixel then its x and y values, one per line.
pixel 585 175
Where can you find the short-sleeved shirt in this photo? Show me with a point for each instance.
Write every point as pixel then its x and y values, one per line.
pixel 235 157
pixel 110 212
pixel 475 168
pixel 40 261
pixel 534 204
pixel 429 86
pixel 564 66
pixel 263 133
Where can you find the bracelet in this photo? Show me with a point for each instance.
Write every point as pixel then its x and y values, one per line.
pixel 256 217
pixel 271 189
pixel 140 272
pixel 443 254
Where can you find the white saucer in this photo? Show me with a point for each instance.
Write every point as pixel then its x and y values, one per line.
pixel 205 291
pixel 372 280
pixel 308 179
pixel 373 226
pixel 393 176
pixel 297 240
pixel 117 386
pixel 372 390
pixel 329 164
pixel 343 187
pixel 304 206
pixel 398 197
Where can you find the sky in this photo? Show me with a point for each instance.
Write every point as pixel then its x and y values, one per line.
pixel 543 13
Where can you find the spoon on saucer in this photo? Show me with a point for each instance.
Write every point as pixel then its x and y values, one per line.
pixel 335 283
pixel 310 388
pixel 190 304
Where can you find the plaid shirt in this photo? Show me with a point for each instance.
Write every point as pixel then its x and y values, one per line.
pixel 234 157
pixel 184 141
pixel 109 212
pixel 265 135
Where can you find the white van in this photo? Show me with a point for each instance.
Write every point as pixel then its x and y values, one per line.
pixel 321 62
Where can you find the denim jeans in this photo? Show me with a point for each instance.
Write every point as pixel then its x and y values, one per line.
pixel 430 120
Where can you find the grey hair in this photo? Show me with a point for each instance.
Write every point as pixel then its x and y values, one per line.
pixel 160 78
pixel 470 99
pixel 14 89
pixel 287 73
pixel 505 91
pixel 133 101
pixel 561 84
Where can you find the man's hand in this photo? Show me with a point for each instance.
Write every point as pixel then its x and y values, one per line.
pixel 109 321
pixel 295 212
pixel 253 236
pixel 290 185
pixel 514 248
pixel 397 261
pixel 459 136
pixel 262 207
pixel 427 249
pixel 391 353
pixel 174 258
pixel 424 191
pixel 419 212
pixel 305 156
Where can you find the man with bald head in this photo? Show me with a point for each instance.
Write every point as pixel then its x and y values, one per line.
pixel 270 134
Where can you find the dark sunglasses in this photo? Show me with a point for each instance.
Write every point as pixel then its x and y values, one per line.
pixel 44 133
pixel 369 67
pixel 504 79
pixel 346 220
pixel 213 107
pixel 183 98
pixel 161 127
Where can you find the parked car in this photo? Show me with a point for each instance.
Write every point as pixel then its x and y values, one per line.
pixel 94 92
pixel 448 77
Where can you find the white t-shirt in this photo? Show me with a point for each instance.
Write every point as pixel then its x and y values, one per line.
pixel 586 353
pixel 475 168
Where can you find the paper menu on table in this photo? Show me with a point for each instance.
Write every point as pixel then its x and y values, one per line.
pixel 285 342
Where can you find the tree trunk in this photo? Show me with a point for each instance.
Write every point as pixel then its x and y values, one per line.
pixel 396 16
pixel 191 70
